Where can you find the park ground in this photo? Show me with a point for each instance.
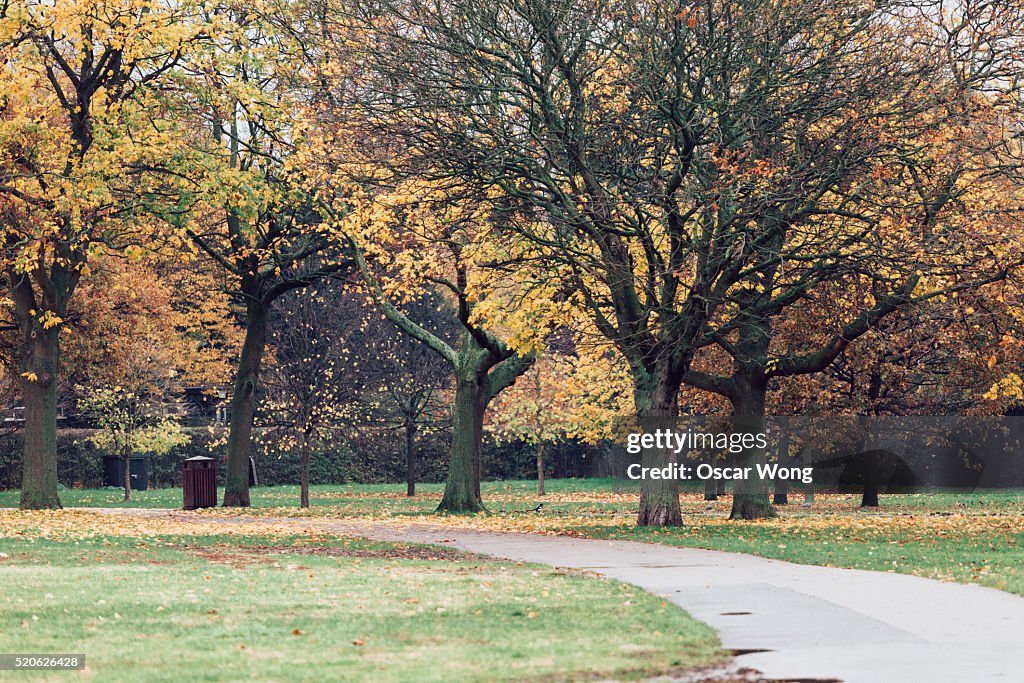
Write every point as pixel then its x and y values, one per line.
pixel 261 599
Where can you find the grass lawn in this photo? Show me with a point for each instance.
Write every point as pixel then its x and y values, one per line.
pixel 148 605
pixel 970 537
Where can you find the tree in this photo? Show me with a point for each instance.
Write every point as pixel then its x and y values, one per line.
pixel 440 243
pixel 656 154
pixel 75 139
pixel 573 391
pixel 394 380
pixel 148 306
pixel 246 206
pixel 132 353
pixel 304 397
pixel 941 211
pixel 132 420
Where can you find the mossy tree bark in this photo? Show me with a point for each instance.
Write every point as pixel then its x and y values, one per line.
pixel 481 373
pixel 39 461
pixel 462 488
pixel 656 397
pixel 750 494
pixel 38 362
pixel 483 366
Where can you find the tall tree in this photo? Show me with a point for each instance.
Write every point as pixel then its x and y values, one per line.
pixel 76 134
pixel 656 153
pixel 250 211
pixel 440 243
pixel 934 218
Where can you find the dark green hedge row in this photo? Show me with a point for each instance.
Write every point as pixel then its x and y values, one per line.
pixel 371 460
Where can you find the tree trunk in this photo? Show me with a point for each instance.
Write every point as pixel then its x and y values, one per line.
pixel 750 495
pixel 869 458
pixel 870 470
pixel 39 356
pixel 781 496
pixel 477 451
pixel 657 409
pixel 710 489
pixel 462 489
pixel 720 487
pixel 782 485
pixel 410 456
pixel 127 475
pixel 243 404
pixel 304 472
pixel 540 467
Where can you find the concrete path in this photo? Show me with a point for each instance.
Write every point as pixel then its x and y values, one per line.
pixel 807 623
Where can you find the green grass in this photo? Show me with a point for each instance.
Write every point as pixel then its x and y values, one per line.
pixel 965 536
pixel 361 498
pixel 221 608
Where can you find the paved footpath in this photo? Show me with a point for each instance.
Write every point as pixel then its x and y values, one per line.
pixel 807 623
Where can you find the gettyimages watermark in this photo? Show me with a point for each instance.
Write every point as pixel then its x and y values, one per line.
pixel 689 440
pixel 896 454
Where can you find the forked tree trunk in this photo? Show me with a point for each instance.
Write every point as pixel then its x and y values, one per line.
pixel 462 489
pixel 243 405
pixel 410 456
pixel 39 357
pixel 657 409
pixel 750 495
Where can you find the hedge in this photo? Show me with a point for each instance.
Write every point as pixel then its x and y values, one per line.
pixel 373 459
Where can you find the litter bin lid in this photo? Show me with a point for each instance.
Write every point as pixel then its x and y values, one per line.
pixel 197 457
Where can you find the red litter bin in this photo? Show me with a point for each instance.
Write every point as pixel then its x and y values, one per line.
pixel 199 482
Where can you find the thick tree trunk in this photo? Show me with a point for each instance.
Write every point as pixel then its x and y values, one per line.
pixel 540 467
pixel 657 409
pixel 304 472
pixel 243 404
pixel 720 487
pixel 462 490
pixel 750 495
pixel 39 357
pixel 410 457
